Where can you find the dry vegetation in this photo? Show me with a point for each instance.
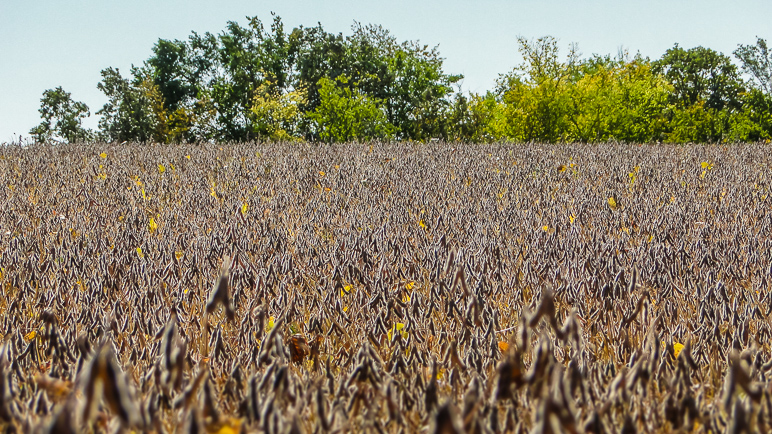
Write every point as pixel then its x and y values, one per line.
pixel 385 288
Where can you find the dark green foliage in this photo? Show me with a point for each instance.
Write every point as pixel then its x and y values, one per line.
pixel 128 114
pixel 754 122
pixel 171 73
pixel 707 92
pixel 208 85
pixel 701 74
pixel 62 117
pixel 757 61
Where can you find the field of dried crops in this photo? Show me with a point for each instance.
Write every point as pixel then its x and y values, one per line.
pixel 386 288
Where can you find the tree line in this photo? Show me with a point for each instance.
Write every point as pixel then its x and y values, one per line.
pixel 257 83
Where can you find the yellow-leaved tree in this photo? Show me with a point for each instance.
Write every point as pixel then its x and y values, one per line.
pixel 277 116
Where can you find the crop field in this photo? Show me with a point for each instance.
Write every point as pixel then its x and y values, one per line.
pixel 386 287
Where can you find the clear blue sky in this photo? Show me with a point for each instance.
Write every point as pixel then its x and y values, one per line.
pixel 49 43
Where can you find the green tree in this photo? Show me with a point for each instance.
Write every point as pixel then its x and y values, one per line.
pixel 134 111
pixel 208 86
pixel 754 122
pixel 701 74
pixel 170 70
pixel 406 77
pixel 345 114
pixel 706 94
pixel 617 100
pixel 62 117
pixel 321 55
pixel 460 122
pixel 598 99
pixel 488 118
pixel 247 56
pixel 698 124
pixel 757 62
pixel 536 103
pixel 209 82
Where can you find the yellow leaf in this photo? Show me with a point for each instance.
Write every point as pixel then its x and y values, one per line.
pixel 677 347
pixel 398 328
pixel 346 289
pixel 139 252
pixel 634 174
pixel 244 208
pixel 562 168
pixel 188 157
pixel 345 308
pixel 143 193
pixel 409 285
pixel 232 426
pixel 152 225
pixel 546 228
pixel 571 218
pixel 103 155
pixel 270 323
pixel 179 254
pixel 503 346
pixel 439 373
pixel 321 173
pixel 30 336
pixel 161 168
pixel 612 203
pixel 421 223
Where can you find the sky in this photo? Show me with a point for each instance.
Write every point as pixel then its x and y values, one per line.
pixel 50 43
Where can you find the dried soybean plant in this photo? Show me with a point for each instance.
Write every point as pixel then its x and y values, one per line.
pixel 385 288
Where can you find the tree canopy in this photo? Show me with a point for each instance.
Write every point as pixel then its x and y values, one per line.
pixel 267 83
pixel 62 117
